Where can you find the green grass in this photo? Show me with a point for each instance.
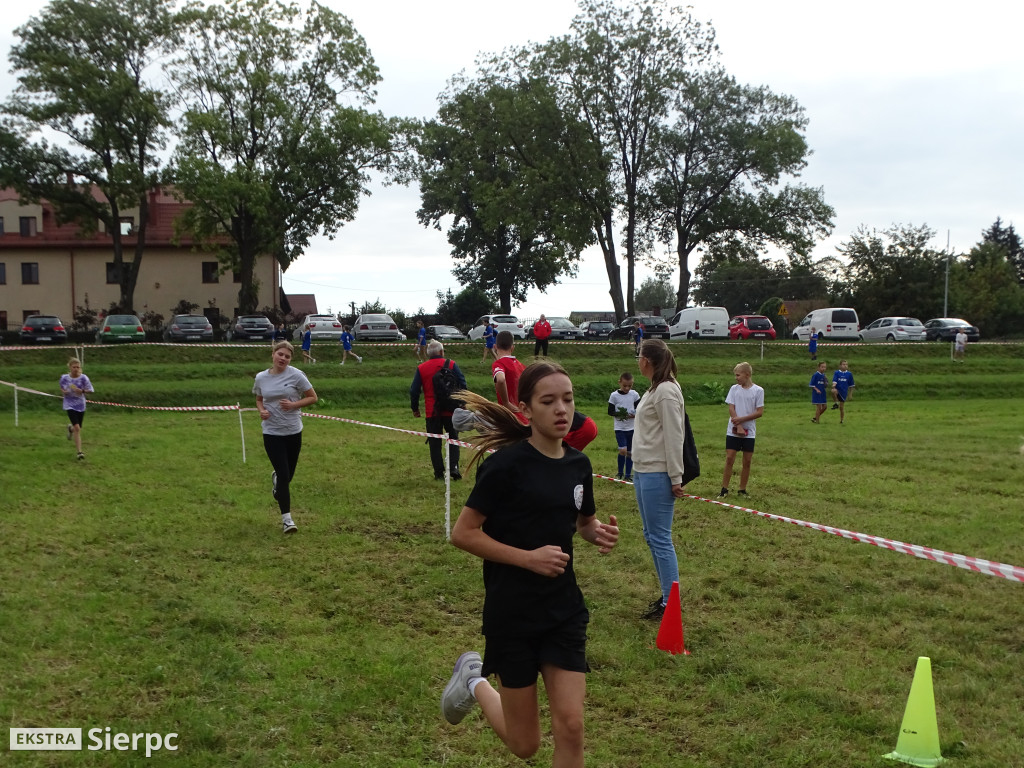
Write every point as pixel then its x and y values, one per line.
pixel 150 589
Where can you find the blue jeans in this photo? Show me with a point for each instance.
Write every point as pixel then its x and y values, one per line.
pixel 624 439
pixel 657 508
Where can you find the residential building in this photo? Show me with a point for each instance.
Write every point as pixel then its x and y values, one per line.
pixel 52 268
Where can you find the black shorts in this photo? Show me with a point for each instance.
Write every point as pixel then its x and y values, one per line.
pixel 75 417
pixel 735 443
pixel 517 660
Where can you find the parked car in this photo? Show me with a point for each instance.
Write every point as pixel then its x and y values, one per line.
pixel 248 327
pixel 700 323
pixel 325 328
pixel 946 329
pixel 120 328
pixel 654 328
pixel 893 329
pixel 561 328
pixel 751 327
pixel 445 333
pixel 188 328
pixel 40 329
pixel 831 323
pixel 596 329
pixel 508 323
pixel 376 326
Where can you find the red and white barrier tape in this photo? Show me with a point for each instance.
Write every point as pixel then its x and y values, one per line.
pixel 975 564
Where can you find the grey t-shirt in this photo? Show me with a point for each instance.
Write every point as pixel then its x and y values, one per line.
pixel 274 387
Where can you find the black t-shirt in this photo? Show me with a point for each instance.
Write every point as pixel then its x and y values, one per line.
pixel 530 501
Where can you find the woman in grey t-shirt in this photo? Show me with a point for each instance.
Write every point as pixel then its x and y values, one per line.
pixel 281 393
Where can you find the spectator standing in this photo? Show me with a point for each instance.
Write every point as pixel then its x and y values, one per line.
pixel 622 407
pixel 280 334
pixel 282 391
pixel 541 332
pixel 638 336
pixel 746 406
pixel 437 419
pixel 658 463
pixel 505 372
pixel 960 345
pixel 73 385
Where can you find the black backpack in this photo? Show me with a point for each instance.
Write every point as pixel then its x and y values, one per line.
pixel 445 385
pixel 691 461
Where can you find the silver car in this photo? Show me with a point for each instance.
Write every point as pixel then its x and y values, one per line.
pixel 894 329
pixel 325 328
pixel 376 326
pixel 508 323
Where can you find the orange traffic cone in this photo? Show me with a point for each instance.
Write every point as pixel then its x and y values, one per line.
pixel 670 635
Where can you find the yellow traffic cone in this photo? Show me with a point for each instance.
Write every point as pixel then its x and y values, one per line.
pixel 918 743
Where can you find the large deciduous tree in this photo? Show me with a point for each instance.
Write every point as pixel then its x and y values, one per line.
pixel 276 139
pixel 717 176
pixel 492 161
pixel 86 117
pixel 618 71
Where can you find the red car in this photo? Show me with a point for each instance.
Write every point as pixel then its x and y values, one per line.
pixel 751 327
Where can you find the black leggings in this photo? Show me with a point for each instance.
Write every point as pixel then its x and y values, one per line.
pixel 283 452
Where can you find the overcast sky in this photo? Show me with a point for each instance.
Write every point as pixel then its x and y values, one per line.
pixel 916 117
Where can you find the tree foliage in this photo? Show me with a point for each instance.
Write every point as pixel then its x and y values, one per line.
pixel 617 71
pixel 654 292
pixel 85 116
pixel 894 272
pixel 718 171
pixel 983 289
pixel 743 284
pixel 1008 239
pixel 462 309
pixel 276 140
pixel 490 161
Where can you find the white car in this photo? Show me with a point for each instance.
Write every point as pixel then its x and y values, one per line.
pixel 376 326
pixel 325 328
pixel 508 323
pixel 894 329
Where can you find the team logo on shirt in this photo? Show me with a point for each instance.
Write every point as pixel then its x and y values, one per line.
pixel 577 496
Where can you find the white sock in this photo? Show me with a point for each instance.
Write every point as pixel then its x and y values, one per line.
pixel 473 683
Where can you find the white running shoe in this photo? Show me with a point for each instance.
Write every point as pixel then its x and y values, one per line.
pixel 359 359
pixel 457 700
pixel 288 525
pixel 273 483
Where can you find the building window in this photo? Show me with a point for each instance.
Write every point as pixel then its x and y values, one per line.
pixel 113 274
pixel 210 272
pixel 29 273
pixel 28 226
pixel 236 276
pixel 127 225
pixel 3 320
pixel 1 225
pixel 3 273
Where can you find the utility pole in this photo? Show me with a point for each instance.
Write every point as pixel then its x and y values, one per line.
pixel 945 299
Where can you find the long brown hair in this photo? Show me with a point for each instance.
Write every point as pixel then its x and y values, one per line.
pixel 663 362
pixel 500 427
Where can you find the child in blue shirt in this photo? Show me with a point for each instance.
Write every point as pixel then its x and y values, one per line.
pixel 818 385
pixel 812 344
pixel 638 336
pixel 307 345
pixel 346 340
pixel 421 342
pixel 842 383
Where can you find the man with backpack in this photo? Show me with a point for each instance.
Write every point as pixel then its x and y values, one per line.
pixel 438 378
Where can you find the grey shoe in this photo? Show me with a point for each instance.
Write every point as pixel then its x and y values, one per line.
pixel 288 525
pixel 457 701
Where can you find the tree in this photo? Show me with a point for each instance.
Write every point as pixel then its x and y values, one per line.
pixel 893 272
pixel 465 307
pixel 652 293
pixel 84 69
pixel 983 290
pixel 490 160
pixel 617 71
pixel 1010 242
pixel 275 140
pixel 716 185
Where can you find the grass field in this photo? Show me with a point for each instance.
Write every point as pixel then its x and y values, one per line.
pixel 149 589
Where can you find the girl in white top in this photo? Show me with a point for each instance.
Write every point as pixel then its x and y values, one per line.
pixel 281 393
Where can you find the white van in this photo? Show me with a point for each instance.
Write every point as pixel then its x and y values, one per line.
pixel 700 323
pixel 832 323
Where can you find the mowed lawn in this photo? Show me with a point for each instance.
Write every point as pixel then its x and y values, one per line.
pixel 149 588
